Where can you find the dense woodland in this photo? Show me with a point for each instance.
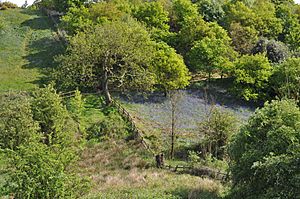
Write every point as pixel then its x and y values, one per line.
pixel 50 133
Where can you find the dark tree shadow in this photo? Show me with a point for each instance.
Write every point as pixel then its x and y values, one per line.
pixel 41 55
pixel 40 22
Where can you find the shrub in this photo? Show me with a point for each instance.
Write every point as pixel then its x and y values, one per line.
pixel 218 128
pixel 16 120
pixel 113 126
pixel 265 153
pixel 6 5
pixel 39 171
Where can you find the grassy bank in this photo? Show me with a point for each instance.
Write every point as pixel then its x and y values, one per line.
pixel 27 47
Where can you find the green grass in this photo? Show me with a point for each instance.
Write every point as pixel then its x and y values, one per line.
pixel 27 47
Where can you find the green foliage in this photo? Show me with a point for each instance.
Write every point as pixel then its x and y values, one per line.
pixel 239 13
pixel 76 19
pixel 36 170
pixel 243 37
pixel 276 51
pixel 105 11
pixel 286 79
pixel 194 29
pixel 16 120
pixel 112 55
pixel 266 23
pixel 59 5
pixel 218 128
pixel 260 16
pixel 265 153
pixel 153 15
pixel 6 5
pixel 76 105
pixel 252 73
pixel 169 67
pixel 111 127
pixel 182 10
pixel 290 23
pixel 51 114
pixel 211 10
pixel 211 55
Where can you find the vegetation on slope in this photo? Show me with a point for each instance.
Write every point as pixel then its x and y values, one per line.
pixel 27 47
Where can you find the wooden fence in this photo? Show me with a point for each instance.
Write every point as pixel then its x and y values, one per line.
pixel 200 171
pixel 138 133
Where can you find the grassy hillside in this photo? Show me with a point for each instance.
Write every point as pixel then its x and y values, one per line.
pixel 123 170
pixel 27 47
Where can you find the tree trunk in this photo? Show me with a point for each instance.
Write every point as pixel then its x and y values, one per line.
pixel 107 95
pixel 172 133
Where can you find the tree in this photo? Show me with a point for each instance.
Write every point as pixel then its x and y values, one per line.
pixel 267 24
pixel 238 12
pixel 112 55
pixel 171 72
pixel 276 51
pixel 59 5
pixel 153 15
pixel 16 120
pixel 76 19
pixel 36 170
pixel 194 29
pixel 181 10
pixel 210 55
pixel 211 10
pixel 243 37
pixel 265 153
pixel 175 98
pixel 252 73
pixel 286 79
pixel 51 115
pixel 218 128
pixel 260 16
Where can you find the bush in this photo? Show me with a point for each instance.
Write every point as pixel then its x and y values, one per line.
pixel 16 120
pixel 7 5
pixel 39 171
pixel 113 126
pixel 218 128
pixel 265 154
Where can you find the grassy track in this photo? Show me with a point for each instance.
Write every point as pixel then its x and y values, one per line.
pixel 27 47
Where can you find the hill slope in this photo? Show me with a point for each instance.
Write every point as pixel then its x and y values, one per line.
pixel 27 47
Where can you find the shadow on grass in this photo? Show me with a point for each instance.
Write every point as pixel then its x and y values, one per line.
pixel 42 45
pixel 41 56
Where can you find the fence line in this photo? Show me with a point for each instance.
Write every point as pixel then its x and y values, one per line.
pixel 139 134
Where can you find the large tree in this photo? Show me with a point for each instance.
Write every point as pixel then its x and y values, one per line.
pixel 286 79
pixel 265 154
pixel 171 72
pixel 252 73
pixel 211 55
pixel 113 55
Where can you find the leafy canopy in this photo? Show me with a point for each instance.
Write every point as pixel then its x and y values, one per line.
pixel 265 153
